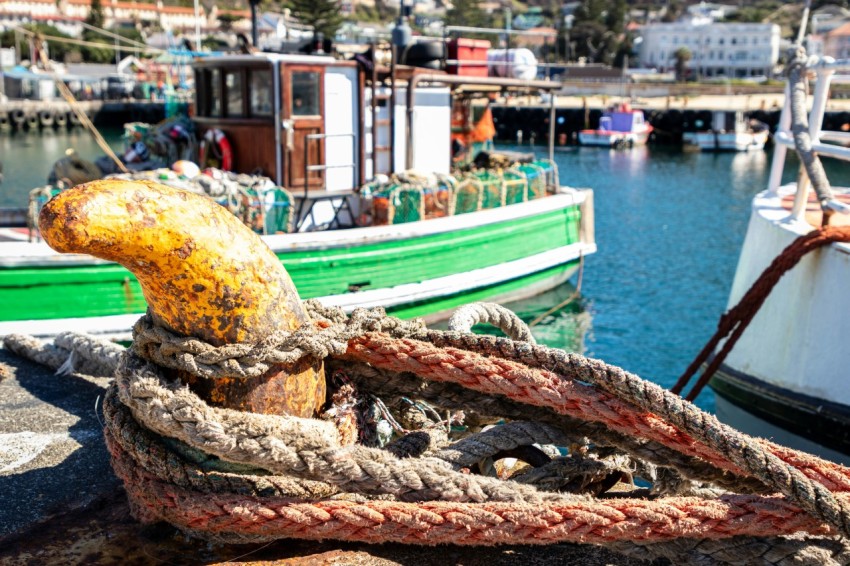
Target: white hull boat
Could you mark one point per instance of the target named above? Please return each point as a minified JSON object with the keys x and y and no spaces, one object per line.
{"x":731,"y":141}
{"x":786,"y":377}
{"x":730,"y":131}
{"x":619,"y":127}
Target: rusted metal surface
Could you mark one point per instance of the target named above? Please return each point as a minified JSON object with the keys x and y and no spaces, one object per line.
{"x":286,"y":389}
{"x":202,"y":272}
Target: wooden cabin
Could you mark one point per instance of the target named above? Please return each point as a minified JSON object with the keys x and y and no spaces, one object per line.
{"x":322,"y":127}
{"x":312,"y":125}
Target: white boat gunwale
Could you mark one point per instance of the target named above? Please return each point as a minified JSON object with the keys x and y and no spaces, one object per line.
{"x":25,"y":254}
{"x":789,"y":361}
{"x":116,"y":325}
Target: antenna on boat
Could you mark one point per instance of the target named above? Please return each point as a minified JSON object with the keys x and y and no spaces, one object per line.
{"x":401,"y":37}
{"x":804,"y":19}
{"x":255,"y":36}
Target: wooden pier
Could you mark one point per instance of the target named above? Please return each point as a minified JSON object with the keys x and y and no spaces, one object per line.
{"x":36,"y":115}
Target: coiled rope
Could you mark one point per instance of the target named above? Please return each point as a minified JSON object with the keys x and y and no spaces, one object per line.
{"x":240,"y":477}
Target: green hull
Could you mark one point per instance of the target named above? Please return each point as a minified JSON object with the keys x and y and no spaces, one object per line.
{"x":511,"y":289}
{"x":57,"y":291}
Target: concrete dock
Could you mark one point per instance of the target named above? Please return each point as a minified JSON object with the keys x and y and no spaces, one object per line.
{"x":62,"y":504}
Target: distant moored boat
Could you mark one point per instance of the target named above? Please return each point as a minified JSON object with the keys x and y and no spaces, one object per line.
{"x":620,"y":126}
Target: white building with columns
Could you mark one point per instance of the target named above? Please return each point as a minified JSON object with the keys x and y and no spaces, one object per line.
{"x":732,"y":50}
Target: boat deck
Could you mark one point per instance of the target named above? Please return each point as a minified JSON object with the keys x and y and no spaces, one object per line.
{"x":814,"y":216}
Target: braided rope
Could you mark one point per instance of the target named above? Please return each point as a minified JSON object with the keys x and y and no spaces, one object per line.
{"x":472,"y":509}
{"x":504,"y":319}
{"x":149,"y":451}
{"x":440,"y":522}
{"x":70,"y":353}
{"x":483,"y":374}
{"x":197,"y":357}
{"x":721,"y":444}
{"x":291,"y":445}
{"x":793,"y":550}
{"x":449,"y":395}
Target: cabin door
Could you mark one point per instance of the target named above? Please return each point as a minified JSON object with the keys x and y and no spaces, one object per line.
{"x":303,"y":126}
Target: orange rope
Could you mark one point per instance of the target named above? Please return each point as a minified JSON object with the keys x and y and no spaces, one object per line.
{"x":543,"y":388}
{"x":232,"y":516}
{"x":735,"y":321}
{"x":228,"y":515}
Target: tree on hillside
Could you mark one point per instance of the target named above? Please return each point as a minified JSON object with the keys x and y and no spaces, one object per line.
{"x":466,"y":13}
{"x":592,"y":30}
{"x":624,"y":51}
{"x":673,"y":11}
{"x":105,"y":53}
{"x":226,"y":21}
{"x":95,"y":17}
{"x":615,"y":17}
{"x":57,"y":49}
{"x":682,"y":56}
{"x":323,"y":15}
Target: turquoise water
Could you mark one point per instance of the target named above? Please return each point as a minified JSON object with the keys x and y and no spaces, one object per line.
{"x":669,"y":226}
{"x":28,"y":157}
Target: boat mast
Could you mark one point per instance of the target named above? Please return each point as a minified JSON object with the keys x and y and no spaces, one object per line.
{"x":401,"y":37}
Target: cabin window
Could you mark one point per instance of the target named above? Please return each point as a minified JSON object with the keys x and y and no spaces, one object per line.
{"x":305,"y":93}
{"x":233,"y":93}
{"x":261,"y":93}
{"x":215,"y":93}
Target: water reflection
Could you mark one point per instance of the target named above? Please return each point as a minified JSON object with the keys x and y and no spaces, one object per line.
{"x":28,"y":157}
{"x":631,"y":160}
{"x":564,"y":327}
{"x":747,"y":164}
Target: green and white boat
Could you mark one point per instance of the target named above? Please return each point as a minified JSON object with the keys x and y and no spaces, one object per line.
{"x":323,"y":128}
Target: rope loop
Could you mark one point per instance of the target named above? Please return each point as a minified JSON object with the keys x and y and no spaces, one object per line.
{"x":328,"y":337}
{"x":504,"y":319}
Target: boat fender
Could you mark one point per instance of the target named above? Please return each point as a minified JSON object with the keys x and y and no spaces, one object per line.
{"x":45,"y":118}
{"x":18,"y":117}
{"x":5,"y":122}
{"x":32,"y":121}
{"x":216,"y":145}
{"x":61,"y":119}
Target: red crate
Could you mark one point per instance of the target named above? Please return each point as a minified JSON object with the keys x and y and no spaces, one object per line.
{"x":472,"y":54}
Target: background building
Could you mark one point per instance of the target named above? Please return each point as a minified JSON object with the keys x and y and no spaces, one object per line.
{"x":837,"y":42}
{"x":732,"y":50}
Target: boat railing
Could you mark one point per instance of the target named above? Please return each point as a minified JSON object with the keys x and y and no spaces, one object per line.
{"x":308,"y":168}
{"x":827,"y":72}
{"x":337,"y":199}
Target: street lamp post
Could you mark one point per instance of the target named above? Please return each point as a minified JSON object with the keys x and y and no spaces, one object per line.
{"x":568,"y":25}
{"x":197,"y":26}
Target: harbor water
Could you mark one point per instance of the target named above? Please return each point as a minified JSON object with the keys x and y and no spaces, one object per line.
{"x":28,"y":156}
{"x":669,"y":227}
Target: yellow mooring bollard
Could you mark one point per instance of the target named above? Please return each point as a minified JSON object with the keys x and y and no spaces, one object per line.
{"x":203,"y":274}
